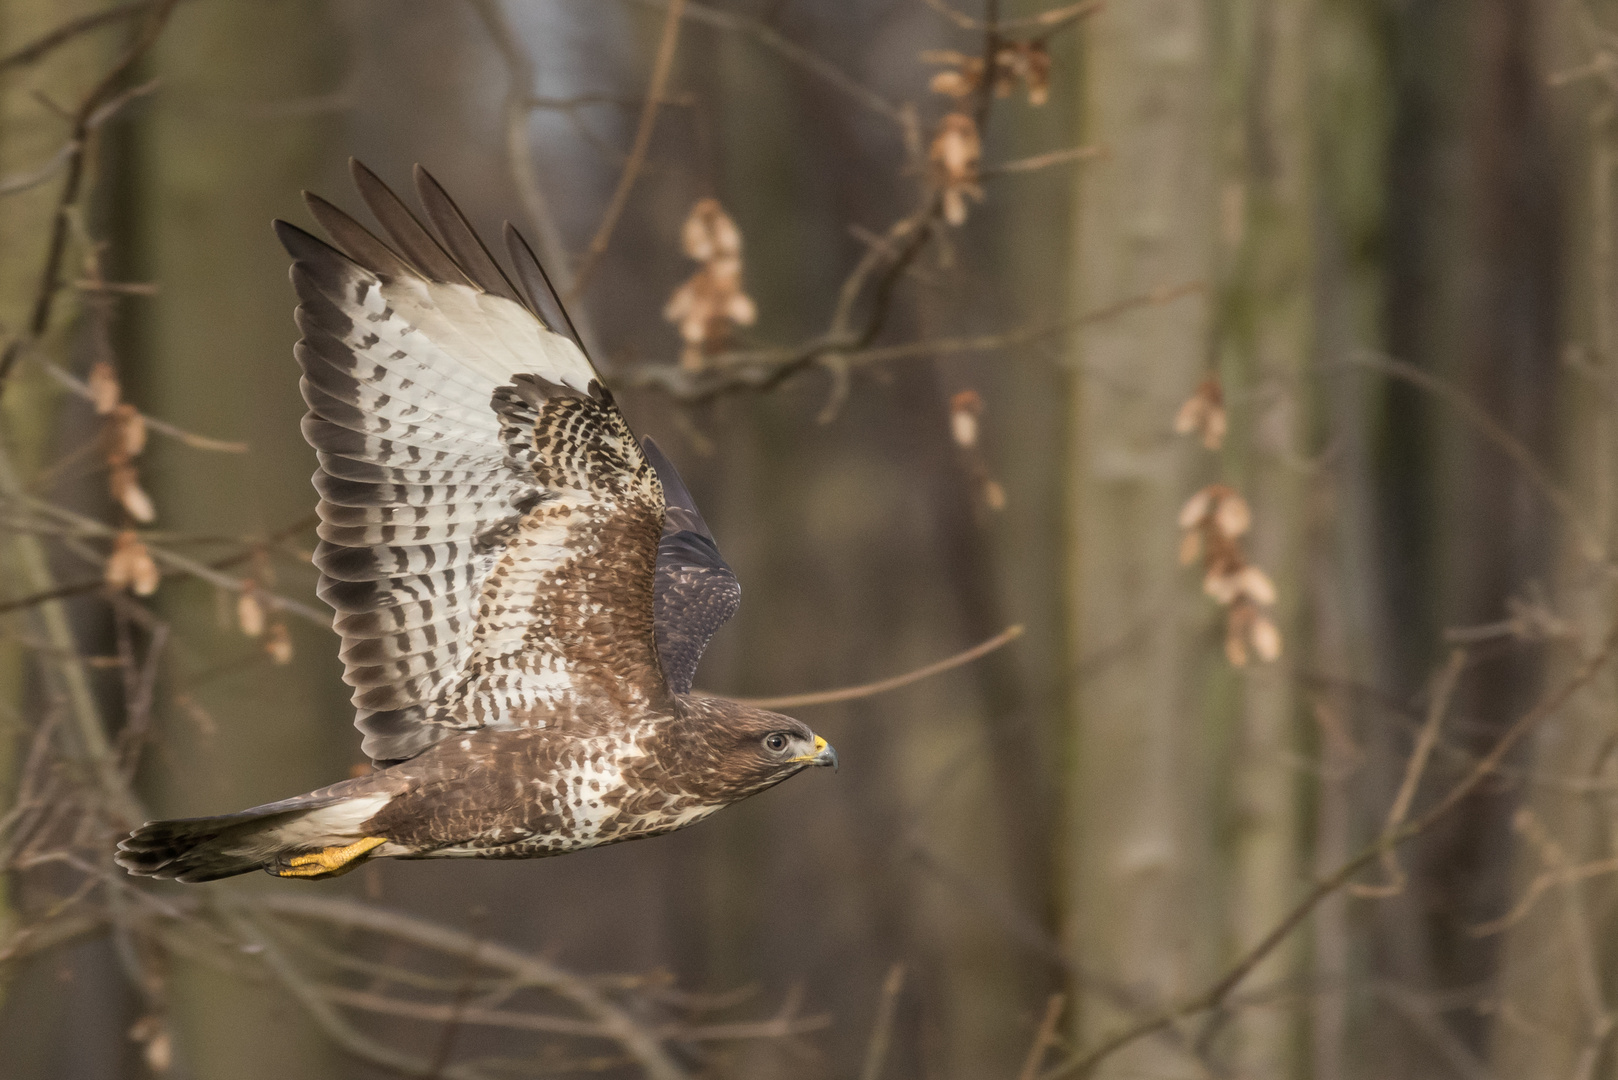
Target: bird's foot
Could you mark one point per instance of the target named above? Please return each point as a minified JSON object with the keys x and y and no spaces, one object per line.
{"x":329,"y":862}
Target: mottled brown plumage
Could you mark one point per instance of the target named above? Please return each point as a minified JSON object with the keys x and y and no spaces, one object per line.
{"x":522,"y":588}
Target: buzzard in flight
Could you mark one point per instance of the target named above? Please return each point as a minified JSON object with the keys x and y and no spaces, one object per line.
{"x":522,"y":588}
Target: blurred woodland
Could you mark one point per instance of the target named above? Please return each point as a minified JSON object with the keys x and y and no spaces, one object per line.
{"x":1257,"y":358}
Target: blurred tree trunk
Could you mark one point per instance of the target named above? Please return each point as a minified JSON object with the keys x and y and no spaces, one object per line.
{"x":1136,"y":855}
{"x":1352,"y":108}
{"x":240,"y":133}
{"x":1472,"y":296}
{"x":1266,"y":343}
{"x":1558,"y":969}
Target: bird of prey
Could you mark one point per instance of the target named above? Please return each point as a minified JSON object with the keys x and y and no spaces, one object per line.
{"x":522,"y":588}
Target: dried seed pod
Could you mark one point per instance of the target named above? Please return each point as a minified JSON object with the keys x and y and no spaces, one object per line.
{"x":709,"y":303}
{"x":1256,"y":585}
{"x":964,"y":410}
{"x":124,"y":484}
{"x":278,"y":643}
{"x":128,"y":428}
{"x":250,"y":612}
{"x":105,"y":391}
{"x":1195,"y":510}
{"x":709,"y":233}
{"x":1232,"y":517}
{"x":130,"y":566}
{"x":1266,"y":639}
{"x":955,"y":154}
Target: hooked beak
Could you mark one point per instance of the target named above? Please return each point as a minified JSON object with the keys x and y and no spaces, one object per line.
{"x":823,"y":755}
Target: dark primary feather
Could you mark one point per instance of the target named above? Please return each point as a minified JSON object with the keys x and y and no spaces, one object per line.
{"x":696,"y":592}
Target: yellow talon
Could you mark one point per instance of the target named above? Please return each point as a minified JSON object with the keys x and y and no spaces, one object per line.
{"x":330,"y":861}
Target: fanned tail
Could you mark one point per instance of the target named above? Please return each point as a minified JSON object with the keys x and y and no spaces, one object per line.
{"x":268,"y":837}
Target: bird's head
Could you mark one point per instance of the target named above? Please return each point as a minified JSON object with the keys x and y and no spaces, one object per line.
{"x":746,"y":749}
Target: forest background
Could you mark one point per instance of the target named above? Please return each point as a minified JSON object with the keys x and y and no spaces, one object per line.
{"x":1254,"y":358}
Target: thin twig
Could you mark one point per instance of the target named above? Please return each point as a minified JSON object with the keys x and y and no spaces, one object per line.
{"x":86,"y":118}
{"x":88,"y":526}
{"x":794,"y":53}
{"x":31,"y":178}
{"x":1044,"y":1038}
{"x":661,"y":66}
{"x":94,"y":748}
{"x":46,"y":43}
{"x":641,"y":1044}
{"x":1044,"y":161}
{"x":327,"y":1017}
{"x":852,"y":693}
{"x":876,"y":1050}
{"x":81,"y":389}
{"x":1045,"y":20}
{"x":1415,"y":768}
{"x":1590,"y":544}
{"x":561,"y":1025}
{"x":754,"y":370}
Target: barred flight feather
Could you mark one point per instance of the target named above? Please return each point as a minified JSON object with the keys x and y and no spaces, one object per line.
{"x":489,"y":525}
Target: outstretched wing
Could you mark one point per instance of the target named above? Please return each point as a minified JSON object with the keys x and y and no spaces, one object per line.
{"x":695,"y":590}
{"x":489,"y":524}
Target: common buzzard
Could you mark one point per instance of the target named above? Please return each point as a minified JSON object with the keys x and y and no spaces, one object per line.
{"x":522,"y":588}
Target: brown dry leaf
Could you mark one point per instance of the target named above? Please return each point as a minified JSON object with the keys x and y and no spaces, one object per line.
{"x":953,"y":84}
{"x":708,"y":304}
{"x":962,"y":75}
{"x":1037,"y":73}
{"x":955,"y":154}
{"x":709,"y":233}
{"x":1204,"y":411}
{"x":128,"y":431}
{"x":1196,"y":508}
{"x":130,"y":566}
{"x":124,"y":484}
{"x":249,"y":612}
{"x":1232,"y":517}
{"x":964,"y":410}
{"x":1222,"y":584}
{"x":1256,"y":585}
{"x":104,"y":388}
{"x":278,"y":643}
{"x":1266,"y":639}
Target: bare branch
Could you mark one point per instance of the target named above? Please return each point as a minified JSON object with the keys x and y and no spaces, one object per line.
{"x":643,"y":1045}
{"x":85,"y":120}
{"x":1049,"y":21}
{"x":853,"y":693}
{"x":1084,"y":1064}
{"x":876,"y":1050}
{"x":1045,"y":161}
{"x":46,"y":43}
{"x":1443,"y":692}
{"x":1589,"y":542}
{"x":1044,"y":1038}
{"x":794,"y":53}
{"x":661,"y":66}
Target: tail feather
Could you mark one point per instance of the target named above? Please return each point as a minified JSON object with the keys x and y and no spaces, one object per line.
{"x":263,"y":838}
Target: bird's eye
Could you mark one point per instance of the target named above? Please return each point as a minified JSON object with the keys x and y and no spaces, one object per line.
{"x":775,"y":742}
